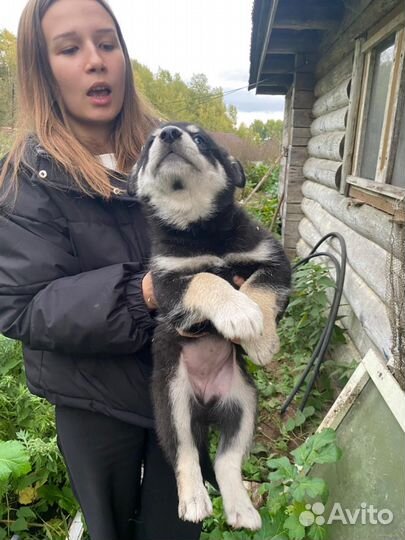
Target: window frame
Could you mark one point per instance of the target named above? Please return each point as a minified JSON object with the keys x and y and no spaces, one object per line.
{"x":353,"y":184}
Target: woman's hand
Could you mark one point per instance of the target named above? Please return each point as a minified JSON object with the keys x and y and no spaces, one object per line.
{"x":148,"y":292}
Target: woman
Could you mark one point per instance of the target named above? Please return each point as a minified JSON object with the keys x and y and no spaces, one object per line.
{"x":73,"y":283}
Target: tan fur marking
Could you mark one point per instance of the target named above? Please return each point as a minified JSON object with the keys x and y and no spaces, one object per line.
{"x":261,"y":350}
{"x":232,"y":313}
{"x":205,"y":290}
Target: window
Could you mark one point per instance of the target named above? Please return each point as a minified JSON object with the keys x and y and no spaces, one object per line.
{"x":379,"y":139}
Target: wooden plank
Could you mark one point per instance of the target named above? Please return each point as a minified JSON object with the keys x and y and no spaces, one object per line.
{"x":377,"y":201}
{"x":271,"y":90}
{"x":295,"y":174}
{"x":304,"y":81}
{"x":303,"y":99}
{"x":306,"y":63}
{"x":346,"y":398}
{"x":266,"y":41}
{"x":365,"y":89}
{"x":391,"y":192}
{"x":300,"y":141}
{"x":355,"y":91}
{"x":76,"y":529}
{"x":386,"y":155}
{"x":301,"y":118}
{"x":298,"y":155}
{"x":292,"y":14}
{"x":279,"y":63}
{"x":292,"y":41}
{"x":343,"y":40}
{"x":388,"y":387}
{"x":387,"y":26}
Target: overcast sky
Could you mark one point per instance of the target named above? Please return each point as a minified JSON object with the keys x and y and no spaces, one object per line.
{"x":186,"y":37}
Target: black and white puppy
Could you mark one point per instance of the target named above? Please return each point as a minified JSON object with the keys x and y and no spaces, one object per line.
{"x":201,"y":240}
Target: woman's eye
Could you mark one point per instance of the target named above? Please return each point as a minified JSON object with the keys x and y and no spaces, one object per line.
{"x":69,"y":50}
{"x":198,"y":140}
{"x":107,"y":46}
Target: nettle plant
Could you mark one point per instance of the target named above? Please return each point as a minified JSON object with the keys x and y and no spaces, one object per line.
{"x":285,"y":495}
{"x":36,"y":500}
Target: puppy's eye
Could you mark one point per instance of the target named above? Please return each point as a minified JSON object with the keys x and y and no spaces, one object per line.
{"x":198,"y":139}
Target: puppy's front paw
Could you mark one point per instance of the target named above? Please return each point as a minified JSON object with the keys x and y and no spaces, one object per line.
{"x":195,"y":506}
{"x":262,"y":349}
{"x":239,"y":318}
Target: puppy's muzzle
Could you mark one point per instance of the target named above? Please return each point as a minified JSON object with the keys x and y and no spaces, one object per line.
{"x":170,"y":134}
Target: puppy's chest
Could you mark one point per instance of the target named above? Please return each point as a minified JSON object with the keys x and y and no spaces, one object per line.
{"x":225,"y":265}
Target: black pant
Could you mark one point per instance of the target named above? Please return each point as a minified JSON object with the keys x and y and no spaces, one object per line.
{"x":104,"y":457}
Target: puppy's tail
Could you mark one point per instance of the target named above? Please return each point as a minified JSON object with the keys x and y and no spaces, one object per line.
{"x":207,"y":467}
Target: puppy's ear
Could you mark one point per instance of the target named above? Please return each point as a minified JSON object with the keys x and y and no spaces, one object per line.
{"x":238,"y":173}
{"x":132,"y":180}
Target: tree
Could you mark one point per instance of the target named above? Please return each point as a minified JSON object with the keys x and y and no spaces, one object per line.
{"x":8,"y":71}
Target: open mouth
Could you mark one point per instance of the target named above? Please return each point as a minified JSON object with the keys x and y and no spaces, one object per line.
{"x":99,"y":91}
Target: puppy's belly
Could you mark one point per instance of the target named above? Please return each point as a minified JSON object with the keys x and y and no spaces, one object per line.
{"x":210,"y":362}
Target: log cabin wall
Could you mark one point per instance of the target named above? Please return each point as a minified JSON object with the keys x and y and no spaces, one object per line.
{"x":365,"y":229}
{"x":297,"y":118}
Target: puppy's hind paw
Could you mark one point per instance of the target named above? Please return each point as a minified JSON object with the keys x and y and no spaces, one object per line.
{"x":244,"y":516}
{"x":262,"y":350}
{"x":195,"y":508}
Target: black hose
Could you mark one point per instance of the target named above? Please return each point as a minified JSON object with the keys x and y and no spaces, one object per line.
{"x":323,"y":343}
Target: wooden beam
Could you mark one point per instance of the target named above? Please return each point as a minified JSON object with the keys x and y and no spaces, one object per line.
{"x":277,"y":79}
{"x":311,"y":15}
{"x":279,"y":63}
{"x":272,"y":90}
{"x":292,"y":41}
{"x":263,"y":54}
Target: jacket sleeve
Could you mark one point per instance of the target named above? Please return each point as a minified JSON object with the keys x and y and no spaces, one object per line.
{"x":48,"y":304}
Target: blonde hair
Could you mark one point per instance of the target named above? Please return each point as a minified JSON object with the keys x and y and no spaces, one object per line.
{"x":41,"y":111}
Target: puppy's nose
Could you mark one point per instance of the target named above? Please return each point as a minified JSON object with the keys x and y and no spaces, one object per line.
{"x":169,"y":134}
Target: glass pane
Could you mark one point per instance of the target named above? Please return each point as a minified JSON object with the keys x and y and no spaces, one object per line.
{"x":384,"y":57}
{"x":398,"y":178}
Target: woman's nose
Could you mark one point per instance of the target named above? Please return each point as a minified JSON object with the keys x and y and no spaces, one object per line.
{"x":95,"y":61}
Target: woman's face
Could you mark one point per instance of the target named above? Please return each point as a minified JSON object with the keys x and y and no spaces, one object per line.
{"x":88,"y":64}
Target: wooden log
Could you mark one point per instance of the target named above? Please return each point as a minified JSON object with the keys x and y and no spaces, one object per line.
{"x":349,"y":320}
{"x":334,"y":121}
{"x":356,"y":23}
{"x":324,"y":171}
{"x":337,"y":98}
{"x":367,"y":306}
{"x":333,"y":78}
{"x":367,"y":221}
{"x":368,"y":259}
{"x":327,"y":146}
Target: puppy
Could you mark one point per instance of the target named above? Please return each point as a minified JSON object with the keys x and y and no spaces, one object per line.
{"x":201,"y":240}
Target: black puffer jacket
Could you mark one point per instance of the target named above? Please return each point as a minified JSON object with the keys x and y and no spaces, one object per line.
{"x":71,"y":268}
